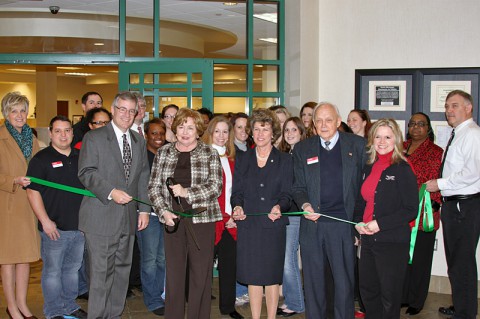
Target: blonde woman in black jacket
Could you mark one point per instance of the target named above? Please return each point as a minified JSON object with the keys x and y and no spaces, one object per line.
{"x":388,"y":203}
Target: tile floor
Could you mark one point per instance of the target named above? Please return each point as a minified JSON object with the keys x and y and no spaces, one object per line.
{"x":135,"y":308}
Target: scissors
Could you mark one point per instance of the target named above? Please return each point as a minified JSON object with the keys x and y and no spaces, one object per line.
{"x":194,"y":211}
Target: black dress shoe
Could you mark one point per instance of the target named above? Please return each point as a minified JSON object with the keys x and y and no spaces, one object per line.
{"x":447,"y":311}
{"x":412,"y":311}
{"x":279,"y":311}
{"x":130,"y":294}
{"x":159,"y":311}
{"x":83,"y":296}
{"x":287,"y":314}
{"x":234,"y":314}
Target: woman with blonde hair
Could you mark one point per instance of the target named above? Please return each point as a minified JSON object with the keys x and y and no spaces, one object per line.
{"x":19,"y":239}
{"x":220,"y":136}
{"x":388,"y":202}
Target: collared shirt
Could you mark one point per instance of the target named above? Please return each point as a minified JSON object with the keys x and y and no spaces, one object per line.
{"x":119,"y":135}
{"x":136,"y":126}
{"x":333,"y":141}
{"x":462,"y":165}
{"x":228,"y":176}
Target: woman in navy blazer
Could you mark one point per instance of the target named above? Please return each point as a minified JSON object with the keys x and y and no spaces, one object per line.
{"x":388,"y":203}
{"x":261,"y":184}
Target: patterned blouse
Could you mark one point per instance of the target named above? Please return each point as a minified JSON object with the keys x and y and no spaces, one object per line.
{"x":426,"y":161}
{"x":206,"y":184}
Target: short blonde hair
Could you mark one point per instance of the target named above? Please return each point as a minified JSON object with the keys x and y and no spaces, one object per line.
{"x":207,"y":137}
{"x":183,"y":114}
{"x":10,"y":100}
{"x":397,"y":156}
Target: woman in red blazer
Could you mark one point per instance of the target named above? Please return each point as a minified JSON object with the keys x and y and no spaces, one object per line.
{"x":220,"y":136}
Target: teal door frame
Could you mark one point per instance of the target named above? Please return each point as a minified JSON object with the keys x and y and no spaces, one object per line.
{"x":189,"y":89}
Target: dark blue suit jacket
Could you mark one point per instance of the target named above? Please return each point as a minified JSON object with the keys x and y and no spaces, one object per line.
{"x":306,"y":186}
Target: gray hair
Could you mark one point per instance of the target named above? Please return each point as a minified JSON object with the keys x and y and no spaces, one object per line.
{"x":326,"y":103}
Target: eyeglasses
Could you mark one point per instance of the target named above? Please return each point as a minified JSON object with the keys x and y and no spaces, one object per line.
{"x":123,"y":110}
{"x":100,"y":122}
{"x":419,"y":124}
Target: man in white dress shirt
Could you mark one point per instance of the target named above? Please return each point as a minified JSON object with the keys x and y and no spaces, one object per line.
{"x":459,"y":185}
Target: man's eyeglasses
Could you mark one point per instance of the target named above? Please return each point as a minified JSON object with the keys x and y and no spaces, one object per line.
{"x":124,"y":110}
{"x":100,"y":122}
{"x":419,"y":124}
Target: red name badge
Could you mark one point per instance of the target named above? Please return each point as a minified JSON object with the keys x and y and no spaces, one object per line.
{"x":57,"y":164}
{"x":312,"y":160}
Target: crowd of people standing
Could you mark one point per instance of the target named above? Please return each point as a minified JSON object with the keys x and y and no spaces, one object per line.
{"x":256,"y":192}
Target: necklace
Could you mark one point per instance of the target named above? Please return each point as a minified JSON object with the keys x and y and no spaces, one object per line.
{"x":263,"y":158}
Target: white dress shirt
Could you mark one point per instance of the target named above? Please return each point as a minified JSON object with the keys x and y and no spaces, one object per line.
{"x":333,"y":141}
{"x":461,"y":171}
{"x":228,"y":176}
{"x":119,"y":135}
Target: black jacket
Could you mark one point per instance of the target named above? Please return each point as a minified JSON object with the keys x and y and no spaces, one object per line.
{"x":396,"y":203}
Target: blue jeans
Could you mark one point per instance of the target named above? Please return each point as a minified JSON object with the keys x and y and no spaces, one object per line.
{"x":152,"y":263}
{"x":292,"y":279}
{"x":62,"y":259}
{"x":83,"y":275}
{"x":240,"y":290}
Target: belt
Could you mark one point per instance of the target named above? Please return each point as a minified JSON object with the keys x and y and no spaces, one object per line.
{"x":460,"y":197}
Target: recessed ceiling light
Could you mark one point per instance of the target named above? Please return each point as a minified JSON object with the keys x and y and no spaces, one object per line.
{"x":229,"y":3}
{"x":68,"y":68}
{"x":21,"y":70}
{"x":79,"y":74}
{"x":270,"y":17}
{"x":99,"y":43}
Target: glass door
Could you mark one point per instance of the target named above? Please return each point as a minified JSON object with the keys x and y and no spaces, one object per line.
{"x":183,"y":82}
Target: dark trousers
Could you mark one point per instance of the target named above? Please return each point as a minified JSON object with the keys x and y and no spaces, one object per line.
{"x":417,"y":278}
{"x":328,"y":243}
{"x":382,"y":269}
{"x":226,"y":250}
{"x":180,"y":249}
{"x":461,"y":230}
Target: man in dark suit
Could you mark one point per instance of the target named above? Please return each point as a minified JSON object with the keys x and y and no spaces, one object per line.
{"x":327,"y":170}
{"x":113,"y":165}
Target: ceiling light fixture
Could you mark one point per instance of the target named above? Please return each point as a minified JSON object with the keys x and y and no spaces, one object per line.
{"x":79,"y":74}
{"x":270,"y":17}
{"x":99,"y":43}
{"x":270,"y":40}
{"x":230,"y":4}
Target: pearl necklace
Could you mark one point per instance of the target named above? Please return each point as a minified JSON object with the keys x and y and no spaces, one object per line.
{"x":263,"y":158}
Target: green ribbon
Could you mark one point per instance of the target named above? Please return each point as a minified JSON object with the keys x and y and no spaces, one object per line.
{"x":425,"y":209}
{"x":71,"y":189}
{"x":305,"y":213}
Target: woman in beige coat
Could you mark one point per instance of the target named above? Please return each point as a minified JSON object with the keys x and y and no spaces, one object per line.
{"x":19,"y":241}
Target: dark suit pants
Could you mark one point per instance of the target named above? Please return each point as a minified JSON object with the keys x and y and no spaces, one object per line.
{"x":461,"y":229}
{"x":332,"y":243}
{"x":180,"y":249}
{"x":382,"y":270}
{"x":110,"y":261}
{"x":226,"y":250}
{"x":417,"y":278}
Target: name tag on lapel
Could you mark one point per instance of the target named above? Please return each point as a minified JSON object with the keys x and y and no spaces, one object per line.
{"x":312,"y":160}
